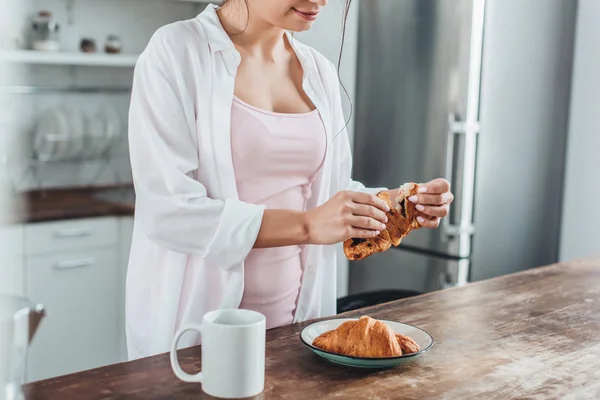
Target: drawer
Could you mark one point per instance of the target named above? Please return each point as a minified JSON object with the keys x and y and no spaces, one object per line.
{"x":11,"y":260}
{"x":56,"y":237}
{"x":11,"y":240}
{"x":11,"y":275}
{"x":81,"y":328}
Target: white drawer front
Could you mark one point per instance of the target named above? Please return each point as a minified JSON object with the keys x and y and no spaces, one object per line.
{"x":11,"y":240}
{"x":11,"y":275}
{"x":11,"y":260}
{"x":80,"y":330}
{"x":68,"y":235}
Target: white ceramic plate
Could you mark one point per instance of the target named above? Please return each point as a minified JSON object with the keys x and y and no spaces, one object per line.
{"x":78,"y":124}
{"x":96,"y":137}
{"x":311,"y":332}
{"x":52,"y":133}
{"x":112,"y":125}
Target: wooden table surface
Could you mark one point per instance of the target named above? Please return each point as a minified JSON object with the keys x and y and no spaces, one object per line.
{"x":533,"y":335}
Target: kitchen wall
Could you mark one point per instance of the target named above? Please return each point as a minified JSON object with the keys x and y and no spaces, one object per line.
{"x":134,"y":21}
{"x":580,"y":236}
{"x":525,"y":92}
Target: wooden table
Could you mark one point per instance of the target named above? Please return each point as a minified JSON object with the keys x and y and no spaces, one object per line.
{"x":533,"y":335}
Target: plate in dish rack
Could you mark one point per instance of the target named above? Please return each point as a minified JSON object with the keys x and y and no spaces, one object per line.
{"x":311,"y":332}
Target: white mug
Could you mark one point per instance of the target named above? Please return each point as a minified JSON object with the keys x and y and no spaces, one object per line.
{"x":233,"y":353}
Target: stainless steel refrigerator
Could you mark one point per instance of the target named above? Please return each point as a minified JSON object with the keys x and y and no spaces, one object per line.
{"x":475,"y":91}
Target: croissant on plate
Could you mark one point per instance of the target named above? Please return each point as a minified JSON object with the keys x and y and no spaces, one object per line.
{"x":402,"y":219}
{"x":367,"y":338}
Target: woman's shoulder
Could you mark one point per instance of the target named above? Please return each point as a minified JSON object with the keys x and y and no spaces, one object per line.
{"x":175,"y":41}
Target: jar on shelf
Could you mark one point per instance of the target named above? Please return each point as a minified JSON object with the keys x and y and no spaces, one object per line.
{"x":113,"y":44}
{"x":45,"y":32}
{"x":87,"y":45}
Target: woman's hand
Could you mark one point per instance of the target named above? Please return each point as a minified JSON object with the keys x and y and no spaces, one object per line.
{"x":347,"y":215}
{"x":433,"y":202}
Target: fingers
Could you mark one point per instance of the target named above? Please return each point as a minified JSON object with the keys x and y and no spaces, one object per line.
{"x":432,"y":199}
{"x":364,"y":214}
{"x":432,"y":222}
{"x":369,"y":199}
{"x":366,"y":223}
{"x":369,"y":211}
{"x":434,"y":211}
{"x":362,"y":233}
{"x":439,"y":185}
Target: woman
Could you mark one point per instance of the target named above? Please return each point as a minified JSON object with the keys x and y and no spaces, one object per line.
{"x":241,"y":166}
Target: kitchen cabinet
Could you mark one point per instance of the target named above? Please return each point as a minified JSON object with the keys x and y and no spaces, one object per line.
{"x":11,"y":260}
{"x":125,"y":236}
{"x":70,"y":235}
{"x":79,"y":292}
{"x":76,"y":269}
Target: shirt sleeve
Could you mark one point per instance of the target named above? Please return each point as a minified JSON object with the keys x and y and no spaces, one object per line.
{"x":174,"y":208}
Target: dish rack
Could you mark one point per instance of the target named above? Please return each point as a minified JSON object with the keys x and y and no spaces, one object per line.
{"x":65,"y":134}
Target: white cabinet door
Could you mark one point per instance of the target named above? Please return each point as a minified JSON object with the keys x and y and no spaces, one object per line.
{"x":125,"y":234}
{"x":11,"y":260}
{"x":80,"y":293}
{"x":11,"y":275}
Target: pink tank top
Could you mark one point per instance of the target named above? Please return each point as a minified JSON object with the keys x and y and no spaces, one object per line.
{"x":276,"y":158}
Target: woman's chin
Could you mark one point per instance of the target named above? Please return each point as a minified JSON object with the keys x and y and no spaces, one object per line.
{"x":302,"y":27}
{"x":296,"y":24}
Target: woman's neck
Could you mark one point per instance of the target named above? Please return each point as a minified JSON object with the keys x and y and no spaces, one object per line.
{"x":251,"y":34}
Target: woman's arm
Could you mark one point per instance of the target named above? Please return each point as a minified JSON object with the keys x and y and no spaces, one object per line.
{"x":283,"y":228}
{"x":346,"y":215}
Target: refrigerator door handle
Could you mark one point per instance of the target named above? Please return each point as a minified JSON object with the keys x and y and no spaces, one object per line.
{"x":456,"y":127}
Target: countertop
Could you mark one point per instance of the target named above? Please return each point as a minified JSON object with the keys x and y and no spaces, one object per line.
{"x":534,"y":334}
{"x":73,"y":203}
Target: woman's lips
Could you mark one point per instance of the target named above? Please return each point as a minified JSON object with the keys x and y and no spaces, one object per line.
{"x":308,"y":16}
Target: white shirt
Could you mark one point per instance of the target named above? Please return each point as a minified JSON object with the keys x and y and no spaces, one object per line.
{"x":189,"y":221}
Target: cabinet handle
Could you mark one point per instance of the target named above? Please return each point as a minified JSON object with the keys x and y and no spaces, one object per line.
{"x":80,"y":263}
{"x":72,"y":233}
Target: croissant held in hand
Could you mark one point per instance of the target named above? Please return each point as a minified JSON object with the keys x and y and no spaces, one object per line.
{"x":367,"y":338}
{"x":402,"y":219}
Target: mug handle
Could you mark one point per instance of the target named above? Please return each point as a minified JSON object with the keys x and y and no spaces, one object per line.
{"x":180,"y":373}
